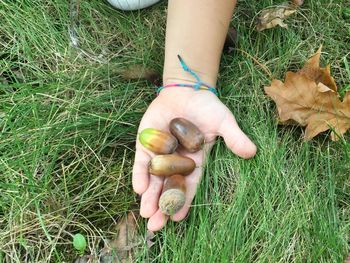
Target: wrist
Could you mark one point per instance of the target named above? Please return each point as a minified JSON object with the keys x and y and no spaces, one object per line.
{"x":186,"y":86}
{"x":177,"y":79}
{"x":199,"y":80}
{"x":184,"y":77}
{"x":179,"y":93}
{"x":190,"y":68}
{"x":184,"y":83}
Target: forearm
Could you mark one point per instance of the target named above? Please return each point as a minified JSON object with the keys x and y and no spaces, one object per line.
{"x":196,"y":30}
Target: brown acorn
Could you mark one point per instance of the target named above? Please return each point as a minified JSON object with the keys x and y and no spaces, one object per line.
{"x":157,"y":141}
{"x":174,"y":195}
{"x":298,"y":2}
{"x":188,"y":134}
{"x":170,"y":164}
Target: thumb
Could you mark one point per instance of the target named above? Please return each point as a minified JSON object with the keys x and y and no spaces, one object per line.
{"x":235,"y":139}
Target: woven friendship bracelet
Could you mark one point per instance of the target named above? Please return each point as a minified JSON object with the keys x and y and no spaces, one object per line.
{"x":199,"y":85}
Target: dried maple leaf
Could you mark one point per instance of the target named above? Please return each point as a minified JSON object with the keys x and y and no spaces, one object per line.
{"x":313,"y":71}
{"x":272,"y":17}
{"x":311,"y":103}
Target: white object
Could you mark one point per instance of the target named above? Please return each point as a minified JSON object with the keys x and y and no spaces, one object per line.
{"x":129,"y":5}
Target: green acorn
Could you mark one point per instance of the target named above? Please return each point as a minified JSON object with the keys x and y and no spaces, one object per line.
{"x":157,"y":141}
{"x":79,"y":242}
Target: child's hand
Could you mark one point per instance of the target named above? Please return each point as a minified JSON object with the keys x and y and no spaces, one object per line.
{"x":211,"y":116}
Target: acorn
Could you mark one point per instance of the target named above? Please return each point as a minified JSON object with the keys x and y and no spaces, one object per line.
{"x":157,"y":141}
{"x":174,"y":195}
{"x":298,"y":2}
{"x":170,"y":164}
{"x":188,"y":134}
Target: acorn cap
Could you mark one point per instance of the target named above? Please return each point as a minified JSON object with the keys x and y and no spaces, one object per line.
{"x":171,"y":201}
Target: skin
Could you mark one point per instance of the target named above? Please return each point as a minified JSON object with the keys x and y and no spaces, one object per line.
{"x":197,"y":33}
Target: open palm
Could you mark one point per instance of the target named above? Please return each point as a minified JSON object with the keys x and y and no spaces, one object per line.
{"x":211,"y":116}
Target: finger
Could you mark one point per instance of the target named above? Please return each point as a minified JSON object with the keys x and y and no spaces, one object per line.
{"x":140,"y":177}
{"x":192,"y":180}
{"x":157,"y":221}
{"x":191,"y":186}
{"x":149,"y":199}
{"x":235,"y":138}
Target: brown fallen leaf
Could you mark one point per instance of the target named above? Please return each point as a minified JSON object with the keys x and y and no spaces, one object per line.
{"x":272,"y":17}
{"x":149,"y":236}
{"x":137,"y":72}
{"x":313,"y":104}
{"x":120,"y":249}
{"x":231,"y":40}
{"x":347,"y":259}
{"x":85,"y":259}
{"x":313,"y":71}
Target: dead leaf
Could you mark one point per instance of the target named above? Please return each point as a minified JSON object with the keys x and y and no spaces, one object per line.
{"x":231,"y":40}
{"x":347,"y":260}
{"x":85,"y":259}
{"x":323,"y":88}
{"x":272,"y":17}
{"x":124,"y":246}
{"x":312,"y":105}
{"x":149,"y":236}
{"x":137,"y":72}
{"x":121,"y":248}
{"x":313,"y":71}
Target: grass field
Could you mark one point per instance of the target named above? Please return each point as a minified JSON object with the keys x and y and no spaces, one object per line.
{"x":68,"y":125}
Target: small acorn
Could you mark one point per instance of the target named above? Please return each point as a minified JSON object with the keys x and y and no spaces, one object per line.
{"x":157,"y":141}
{"x":174,"y":195}
{"x":188,"y":134}
{"x":298,"y":2}
{"x":170,"y":164}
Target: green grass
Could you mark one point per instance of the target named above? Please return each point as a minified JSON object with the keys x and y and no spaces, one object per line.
{"x":68,"y":125}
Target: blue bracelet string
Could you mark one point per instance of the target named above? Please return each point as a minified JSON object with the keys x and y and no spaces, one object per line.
{"x":196,"y":86}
